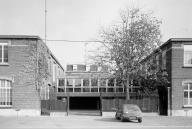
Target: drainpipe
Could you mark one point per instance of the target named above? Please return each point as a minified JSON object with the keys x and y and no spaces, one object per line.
{"x":169,"y":101}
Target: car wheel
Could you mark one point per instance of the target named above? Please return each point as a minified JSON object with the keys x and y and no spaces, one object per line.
{"x":117,"y":117}
{"x":139,"y":120}
{"x":122,"y":119}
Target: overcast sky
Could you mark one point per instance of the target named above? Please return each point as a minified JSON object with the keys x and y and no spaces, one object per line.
{"x":82,"y":19}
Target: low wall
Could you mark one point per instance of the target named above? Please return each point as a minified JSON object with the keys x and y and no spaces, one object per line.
{"x":187,"y":112}
{"x":21,"y":112}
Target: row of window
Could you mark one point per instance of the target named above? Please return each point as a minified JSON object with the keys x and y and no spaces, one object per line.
{"x":109,"y":89}
{"x":87,"y":82}
{"x":6,"y":92}
{"x":86,"y":68}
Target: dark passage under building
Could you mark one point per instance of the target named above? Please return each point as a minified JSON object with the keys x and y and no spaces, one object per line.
{"x":84,"y":103}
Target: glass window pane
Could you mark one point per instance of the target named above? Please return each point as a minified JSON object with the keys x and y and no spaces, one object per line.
{"x":185,"y":86}
{"x":0,"y":53}
{"x":85,"y":82}
{"x":190,"y":86}
{"x":190,"y":94}
{"x":185,"y":101}
{"x":61,"y":82}
{"x":164,"y":60}
{"x":190,"y":101}
{"x":5,"y":53}
{"x":185,"y":94}
{"x":69,"y":82}
{"x":77,"y":82}
{"x":94,"y":82}
{"x":111,"y":82}
{"x":103,"y":82}
{"x":2,"y":83}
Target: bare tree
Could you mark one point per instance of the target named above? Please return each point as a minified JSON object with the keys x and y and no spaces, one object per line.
{"x":128,"y":42}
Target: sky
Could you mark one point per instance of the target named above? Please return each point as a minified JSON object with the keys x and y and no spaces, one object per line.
{"x":83,"y":19}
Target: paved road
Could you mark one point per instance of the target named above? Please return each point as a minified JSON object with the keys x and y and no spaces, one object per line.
{"x":95,"y":122}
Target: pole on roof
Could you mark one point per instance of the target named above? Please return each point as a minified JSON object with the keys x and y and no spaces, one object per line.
{"x":45,"y":21}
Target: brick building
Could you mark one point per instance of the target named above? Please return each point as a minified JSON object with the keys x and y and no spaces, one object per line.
{"x":175,"y":56}
{"x":28,"y":74}
{"x":92,"y":87}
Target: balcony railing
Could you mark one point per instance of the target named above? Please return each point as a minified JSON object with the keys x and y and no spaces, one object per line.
{"x":88,"y":89}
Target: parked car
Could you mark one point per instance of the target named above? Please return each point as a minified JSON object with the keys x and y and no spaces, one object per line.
{"x":129,"y":112}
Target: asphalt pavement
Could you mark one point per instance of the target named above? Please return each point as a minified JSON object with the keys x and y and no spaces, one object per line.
{"x":94,"y":122}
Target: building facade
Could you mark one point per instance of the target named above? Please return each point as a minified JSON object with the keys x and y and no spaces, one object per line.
{"x":93,"y":87}
{"x":175,"y":56}
{"x":28,"y":74}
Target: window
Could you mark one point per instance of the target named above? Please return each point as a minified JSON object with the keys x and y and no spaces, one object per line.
{"x":157,"y":60}
{"x":187,"y":55}
{"x":85,"y":82}
{"x":44,"y":92}
{"x":5,"y":93}
{"x":61,"y":82}
{"x":69,"y":82}
{"x":94,"y":82}
{"x":103,"y":82}
{"x":187,"y":94}
{"x":111,"y":82}
{"x":3,"y":52}
{"x":77,"y":82}
{"x":74,"y":67}
{"x":164,"y":60}
{"x":87,"y":67}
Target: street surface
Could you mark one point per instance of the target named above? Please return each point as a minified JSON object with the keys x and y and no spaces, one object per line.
{"x":94,"y":122}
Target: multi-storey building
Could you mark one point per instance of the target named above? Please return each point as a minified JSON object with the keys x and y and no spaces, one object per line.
{"x":28,"y":74}
{"x":93,"y":87}
{"x":85,"y":84}
{"x":175,"y":56}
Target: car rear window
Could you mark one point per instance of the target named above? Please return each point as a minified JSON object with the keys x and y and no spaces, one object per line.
{"x":130,"y":108}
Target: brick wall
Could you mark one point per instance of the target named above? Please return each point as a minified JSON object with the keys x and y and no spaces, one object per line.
{"x":24,"y":93}
{"x":179,"y":74}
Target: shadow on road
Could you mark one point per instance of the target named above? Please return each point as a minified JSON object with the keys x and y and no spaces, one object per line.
{"x":113,"y":120}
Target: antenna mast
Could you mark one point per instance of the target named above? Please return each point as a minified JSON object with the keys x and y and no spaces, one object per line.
{"x":45,"y":21}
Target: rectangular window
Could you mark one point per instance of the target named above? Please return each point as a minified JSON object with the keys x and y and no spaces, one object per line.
{"x":77,"y":82}
{"x":85,"y":82}
{"x":111,"y":82}
{"x":103,"y":82}
{"x":164,"y":60}
{"x":3,"y":52}
{"x":187,"y":94}
{"x":157,"y":60}
{"x":5,"y":93}
{"x":94,"y":82}
{"x":61,"y":82}
{"x":69,"y":82}
{"x":74,"y":67}
{"x":187,"y":55}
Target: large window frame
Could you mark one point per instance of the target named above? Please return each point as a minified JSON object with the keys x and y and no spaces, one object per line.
{"x":164,"y":59}
{"x":5,"y":93}
{"x":3,"y":53}
{"x":187,"y":94}
{"x":187,"y":59}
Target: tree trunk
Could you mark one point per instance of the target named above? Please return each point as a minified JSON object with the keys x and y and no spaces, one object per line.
{"x":127,"y":89}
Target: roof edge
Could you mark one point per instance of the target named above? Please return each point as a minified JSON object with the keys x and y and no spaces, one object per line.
{"x":19,"y":37}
